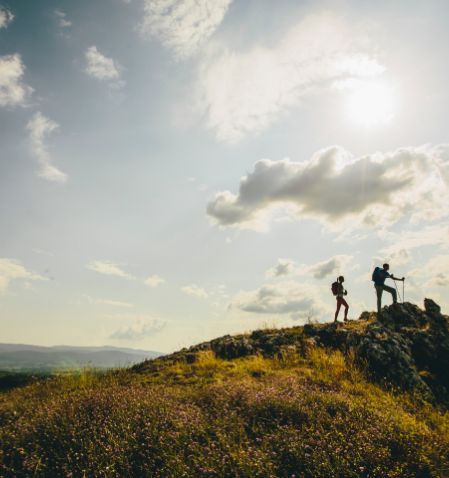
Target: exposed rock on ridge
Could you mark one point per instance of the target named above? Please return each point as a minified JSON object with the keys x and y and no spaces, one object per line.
{"x":405,"y":347}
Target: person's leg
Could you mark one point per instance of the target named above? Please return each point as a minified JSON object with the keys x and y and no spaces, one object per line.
{"x":379,"y":290}
{"x":343,"y":301}
{"x":392,"y":292}
{"x":338,"y":308}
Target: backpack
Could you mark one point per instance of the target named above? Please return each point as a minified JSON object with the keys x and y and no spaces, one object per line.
{"x":376,"y":277}
{"x":334,"y":288}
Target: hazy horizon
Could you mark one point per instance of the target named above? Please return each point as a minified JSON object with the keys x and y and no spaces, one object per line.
{"x":173,"y":171}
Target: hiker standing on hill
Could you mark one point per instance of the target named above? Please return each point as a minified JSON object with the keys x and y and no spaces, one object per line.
{"x":339,"y":291}
{"x":379,"y":276}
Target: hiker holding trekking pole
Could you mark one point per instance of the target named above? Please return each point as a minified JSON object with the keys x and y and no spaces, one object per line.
{"x":379,"y":276}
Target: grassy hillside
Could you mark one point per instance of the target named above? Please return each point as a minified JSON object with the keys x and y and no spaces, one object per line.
{"x":298,"y":412}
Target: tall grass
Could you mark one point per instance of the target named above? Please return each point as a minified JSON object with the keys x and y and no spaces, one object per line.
{"x":289,"y":416}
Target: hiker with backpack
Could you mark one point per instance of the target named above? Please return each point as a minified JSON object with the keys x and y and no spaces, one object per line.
{"x":379,"y":276}
{"x":339,"y":291}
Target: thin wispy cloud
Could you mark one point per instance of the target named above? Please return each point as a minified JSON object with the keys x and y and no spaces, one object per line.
{"x":182,"y":26}
{"x":334,"y":186}
{"x":140,"y":329}
{"x":62,"y":19}
{"x":430,"y":276}
{"x":154,"y":281}
{"x":6,"y":17}
{"x":114,"y":303}
{"x":12,"y":270}
{"x":434,"y":235}
{"x":40,"y":128}
{"x":195,"y":291}
{"x":108,"y":302}
{"x":109,"y":268}
{"x":103,"y":68}
{"x":437,"y":271}
{"x":13,"y":91}
{"x":244,"y":92}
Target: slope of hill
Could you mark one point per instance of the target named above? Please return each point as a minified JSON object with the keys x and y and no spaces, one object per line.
{"x":406,"y":347}
{"x":362,"y":399}
{"x":34,"y":358}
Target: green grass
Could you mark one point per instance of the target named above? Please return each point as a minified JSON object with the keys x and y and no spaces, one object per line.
{"x":289,"y":416}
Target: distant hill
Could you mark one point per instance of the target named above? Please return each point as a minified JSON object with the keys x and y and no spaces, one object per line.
{"x":32,"y":358}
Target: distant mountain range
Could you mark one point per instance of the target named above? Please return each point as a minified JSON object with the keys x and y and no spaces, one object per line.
{"x":22,"y":357}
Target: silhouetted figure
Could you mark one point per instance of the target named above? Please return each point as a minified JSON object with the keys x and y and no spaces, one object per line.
{"x":379,"y":276}
{"x":339,"y":291}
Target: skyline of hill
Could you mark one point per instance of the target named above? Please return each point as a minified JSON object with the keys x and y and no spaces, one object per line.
{"x":28,"y":357}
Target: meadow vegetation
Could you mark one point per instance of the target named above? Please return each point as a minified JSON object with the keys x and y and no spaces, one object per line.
{"x":292,"y":416}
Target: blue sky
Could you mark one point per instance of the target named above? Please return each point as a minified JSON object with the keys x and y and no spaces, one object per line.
{"x":171,"y":171}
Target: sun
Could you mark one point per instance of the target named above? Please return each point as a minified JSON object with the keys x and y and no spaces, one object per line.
{"x":371,"y":104}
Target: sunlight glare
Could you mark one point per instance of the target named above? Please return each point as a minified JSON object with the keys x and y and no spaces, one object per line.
{"x":371,"y":104}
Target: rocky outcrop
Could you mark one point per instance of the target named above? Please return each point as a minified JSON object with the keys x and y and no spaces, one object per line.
{"x":404,"y":347}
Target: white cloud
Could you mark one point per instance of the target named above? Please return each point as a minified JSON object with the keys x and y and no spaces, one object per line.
{"x":6,"y":17}
{"x":195,"y":291}
{"x":434,"y":235}
{"x":154,"y":281}
{"x":397,"y":257}
{"x":335,"y":265}
{"x":339,"y":189}
{"x":13,"y":92}
{"x":298,"y":301}
{"x":114,"y":303}
{"x":40,"y":127}
{"x":284,"y":267}
{"x":142,"y":328}
{"x":183,"y":25}
{"x":435,"y":273}
{"x":108,"y":268}
{"x":320,"y":270}
{"x":62,"y":19}
{"x":244,"y":92}
{"x":11,"y":269}
{"x":102,"y":68}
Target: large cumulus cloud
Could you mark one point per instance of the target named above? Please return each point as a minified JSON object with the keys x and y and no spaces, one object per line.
{"x":334,"y":186}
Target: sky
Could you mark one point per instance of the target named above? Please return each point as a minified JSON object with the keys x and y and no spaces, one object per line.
{"x":175,"y":170}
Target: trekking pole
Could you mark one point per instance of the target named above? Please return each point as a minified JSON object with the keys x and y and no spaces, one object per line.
{"x":403,"y":291}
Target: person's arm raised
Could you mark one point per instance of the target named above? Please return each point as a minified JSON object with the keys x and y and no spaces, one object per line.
{"x":397,"y":278}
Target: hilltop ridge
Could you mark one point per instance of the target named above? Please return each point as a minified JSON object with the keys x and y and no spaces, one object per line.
{"x":405,"y":346}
